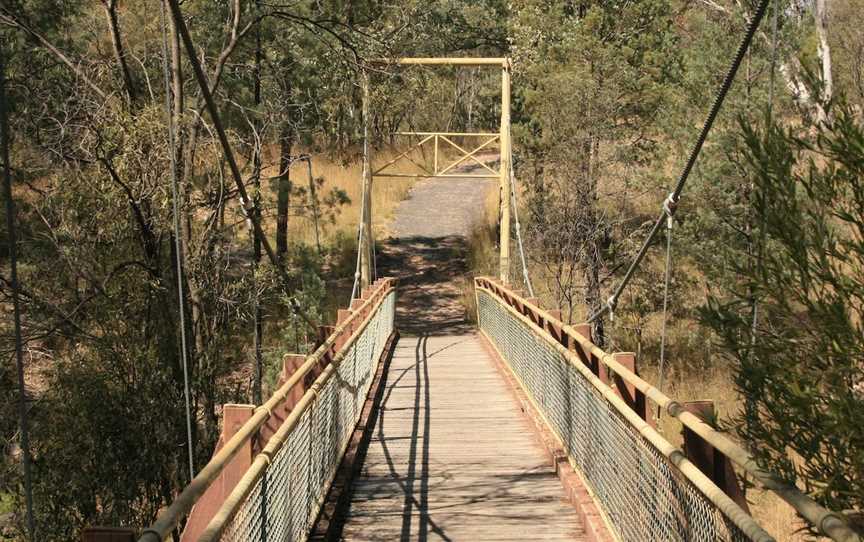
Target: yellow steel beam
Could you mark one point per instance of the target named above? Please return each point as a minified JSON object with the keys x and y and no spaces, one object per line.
{"x":448,"y":176}
{"x":470,"y":155}
{"x":393,"y":161}
{"x":449,"y":134}
{"x":444,"y":61}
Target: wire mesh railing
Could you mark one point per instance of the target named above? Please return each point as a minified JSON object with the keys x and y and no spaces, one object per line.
{"x":645,"y":487}
{"x":281,"y":494}
{"x":294,"y":470}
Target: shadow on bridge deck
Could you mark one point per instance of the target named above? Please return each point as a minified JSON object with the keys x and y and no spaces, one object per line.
{"x":429,"y":298}
{"x":452,"y":457}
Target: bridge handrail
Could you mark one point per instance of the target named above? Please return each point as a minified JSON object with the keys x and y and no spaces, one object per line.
{"x":826,"y":521}
{"x":168,"y":520}
{"x":256,"y":470}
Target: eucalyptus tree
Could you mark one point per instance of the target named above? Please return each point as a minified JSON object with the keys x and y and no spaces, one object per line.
{"x":91,"y":163}
{"x":592,"y":80}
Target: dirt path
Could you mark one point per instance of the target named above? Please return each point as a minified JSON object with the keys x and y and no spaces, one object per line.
{"x":427,"y":251}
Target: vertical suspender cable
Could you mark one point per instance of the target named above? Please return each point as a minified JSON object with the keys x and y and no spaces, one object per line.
{"x":314,"y":198}
{"x":354,"y":288}
{"x":749,"y":407}
{"x":222,"y":136}
{"x":770,"y":114}
{"x":518,"y":226}
{"x":257,"y":326}
{"x":363,"y":196}
{"x":177,"y":244}
{"x":16,"y":306}
{"x":371,"y":267}
{"x":667,"y":279}
{"x":773,"y":73}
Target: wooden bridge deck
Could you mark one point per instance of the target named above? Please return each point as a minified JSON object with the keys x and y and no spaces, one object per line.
{"x":452,"y":457}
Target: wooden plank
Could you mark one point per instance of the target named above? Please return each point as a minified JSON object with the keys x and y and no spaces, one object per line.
{"x":452,"y":456}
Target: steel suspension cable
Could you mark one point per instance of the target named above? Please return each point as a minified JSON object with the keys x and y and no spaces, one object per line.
{"x":178,"y":245}
{"x":672,"y":201}
{"x":769,"y":116}
{"x":12,"y":240}
{"x":518,"y":226}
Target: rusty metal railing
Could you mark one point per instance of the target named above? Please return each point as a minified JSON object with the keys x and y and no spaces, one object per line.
{"x":647,"y":487}
{"x":358,"y":338}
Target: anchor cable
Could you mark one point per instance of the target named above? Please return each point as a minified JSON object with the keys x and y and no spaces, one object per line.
{"x":216,"y":119}
{"x":178,"y":245}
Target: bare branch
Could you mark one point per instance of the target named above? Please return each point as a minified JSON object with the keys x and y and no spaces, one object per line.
{"x":10,"y":20}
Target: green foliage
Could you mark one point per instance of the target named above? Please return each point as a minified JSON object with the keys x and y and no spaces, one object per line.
{"x":592,"y":81}
{"x":293,"y":334}
{"x":605,"y":97}
{"x":799,"y":368}
{"x":94,"y":465}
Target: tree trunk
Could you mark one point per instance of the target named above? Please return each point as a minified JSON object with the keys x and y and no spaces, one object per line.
{"x":824,"y":52}
{"x":283,"y":198}
{"x":256,"y":240}
{"x":119,"y":52}
{"x":195,"y":326}
{"x":591,"y":264}
{"x":594,"y":237}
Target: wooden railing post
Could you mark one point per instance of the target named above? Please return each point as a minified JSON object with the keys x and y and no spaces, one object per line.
{"x":233,"y":418}
{"x":634,"y":398}
{"x":108,"y":534}
{"x":435,"y":163}
{"x":586,"y":355}
{"x":556,"y":327}
{"x":341,"y":316}
{"x":708,"y":459}
{"x":529,"y":302}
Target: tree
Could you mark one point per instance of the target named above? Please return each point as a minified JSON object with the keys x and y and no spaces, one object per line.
{"x":595,"y":77}
{"x":99,"y":282}
{"x":800,"y":366}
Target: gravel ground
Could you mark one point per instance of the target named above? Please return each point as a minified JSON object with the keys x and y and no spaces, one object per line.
{"x":427,"y":251}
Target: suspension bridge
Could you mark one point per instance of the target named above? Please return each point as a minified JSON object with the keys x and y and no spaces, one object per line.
{"x":520,"y":430}
{"x":518,"y":427}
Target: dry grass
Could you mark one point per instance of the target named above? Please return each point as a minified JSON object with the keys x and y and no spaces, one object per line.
{"x":482,"y":254}
{"x":683,"y":384}
{"x":700,"y":380}
{"x":346,"y":176}
{"x":482,"y":260}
